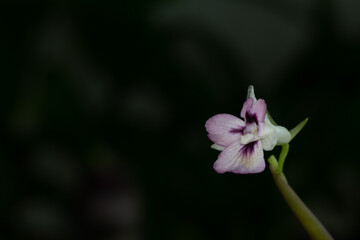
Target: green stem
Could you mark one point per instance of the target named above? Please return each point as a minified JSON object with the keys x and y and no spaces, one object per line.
{"x":283,"y":154}
{"x":307,"y":219}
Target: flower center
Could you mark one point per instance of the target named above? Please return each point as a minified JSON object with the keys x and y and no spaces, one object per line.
{"x":251,"y":128}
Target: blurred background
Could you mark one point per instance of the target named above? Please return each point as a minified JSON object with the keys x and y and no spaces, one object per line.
{"x":103,"y":106}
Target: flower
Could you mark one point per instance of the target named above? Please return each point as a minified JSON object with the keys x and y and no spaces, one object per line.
{"x":242,"y":142}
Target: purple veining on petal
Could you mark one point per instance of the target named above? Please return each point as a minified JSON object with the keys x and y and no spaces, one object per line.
{"x":219,"y":129}
{"x":249,"y":148}
{"x":241,"y":159}
{"x":237,"y":130}
{"x":251,"y":118}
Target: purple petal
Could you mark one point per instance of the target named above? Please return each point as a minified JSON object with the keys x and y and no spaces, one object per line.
{"x":224,"y":129}
{"x":254,"y":112}
{"x":246,"y":107}
{"x":242,"y":159}
{"x":260,"y":110}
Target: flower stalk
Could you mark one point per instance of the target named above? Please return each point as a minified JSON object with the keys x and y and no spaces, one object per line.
{"x":308,"y":220}
{"x":283,"y":154}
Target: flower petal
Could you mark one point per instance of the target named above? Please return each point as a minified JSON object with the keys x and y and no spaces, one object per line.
{"x":224,"y":129}
{"x":254,"y":106}
{"x":283,"y":134}
{"x":242,"y":159}
{"x":270,"y":138}
{"x":254,"y":113}
{"x":251,"y":93}
{"x":246,"y":107}
{"x":260,"y":110}
{"x":217,"y":147}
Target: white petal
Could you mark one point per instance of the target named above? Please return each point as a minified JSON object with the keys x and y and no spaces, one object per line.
{"x":251,"y":93}
{"x":243,"y":159}
{"x":217,"y":147}
{"x":283,"y":134}
{"x":270,"y":138}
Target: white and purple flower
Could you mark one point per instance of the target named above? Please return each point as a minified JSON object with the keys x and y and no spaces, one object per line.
{"x":242,"y":141}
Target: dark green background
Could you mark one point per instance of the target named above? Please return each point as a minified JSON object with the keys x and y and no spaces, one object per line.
{"x":103,"y":106}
